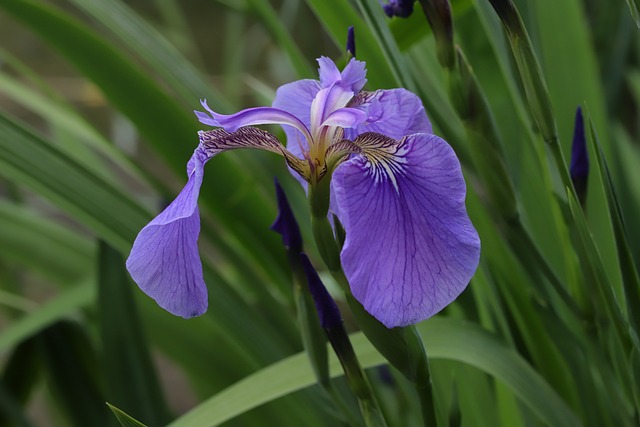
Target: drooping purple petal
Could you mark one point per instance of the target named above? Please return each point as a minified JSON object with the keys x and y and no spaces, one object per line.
{"x":252,"y":116}
{"x":394,"y":112}
{"x":164,"y":260}
{"x":410,"y":247}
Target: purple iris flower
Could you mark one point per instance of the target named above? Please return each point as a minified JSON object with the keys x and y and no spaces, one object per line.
{"x":397,"y":189}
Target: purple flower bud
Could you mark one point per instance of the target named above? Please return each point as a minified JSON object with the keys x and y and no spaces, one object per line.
{"x":399,"y":8}
{"x":285,"y":224}
{"x":351,"y":41}
{"x":328,"y":311}
{"x":579,"y":168}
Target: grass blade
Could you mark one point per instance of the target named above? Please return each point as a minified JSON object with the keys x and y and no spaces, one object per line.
{"x":445,"y":339}
{"x":131,"y":379}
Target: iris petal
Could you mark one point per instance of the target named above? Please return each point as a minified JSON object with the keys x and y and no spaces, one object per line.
{"x":410,"y":247}
{"x":296,"y":98}
{"x":164,"y":260}
{"x":394,"y":112}
{"x":252,"y":116}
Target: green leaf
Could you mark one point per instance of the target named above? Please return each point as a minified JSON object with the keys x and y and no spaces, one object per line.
{"x":154,"y":48}
{"x":66,"y":303}
{"x":43,"y":245}
{"x":164,"y":123}
{"x":72,"y":374}
{"x":132,"y":383}
{"x":634,"y":6}
{"x":445,"y":339}
{"x":337,"y":17}
{"x":273,"y":24}
{"x":630,"y":278}
{"x":20,"y":376}
{"x":30,"y":160}
{"x":124,"y":419}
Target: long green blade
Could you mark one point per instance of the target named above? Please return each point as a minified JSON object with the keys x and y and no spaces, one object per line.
{"x":445,"y":339}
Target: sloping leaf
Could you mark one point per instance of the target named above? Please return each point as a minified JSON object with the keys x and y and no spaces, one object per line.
{"x":444,"y":338}
{"x":28,"y":159}
{"x":124,"y":419}
{"x":152,"y":46}
{"x":63,"y":305}
{"x":42,"y":245}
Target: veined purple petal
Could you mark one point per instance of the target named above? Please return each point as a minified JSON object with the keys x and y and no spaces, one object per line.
{"x":395,"y":113}
{"x":328,"y":72}
{"x":352,"y":78}
{"x":164,"y":260}
{"x":296,"y":98}
{"x":354,"y":75}
{"x":327,"y":101}
{"x":254,"y":116}
{"x":345,"y":118}
{"x":410,"y":247}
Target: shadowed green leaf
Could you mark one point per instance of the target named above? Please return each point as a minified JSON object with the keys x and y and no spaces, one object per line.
{"x":72,"y":375}
{"x":124,"y":419}
{"x":131,"y":379}
{"x":630,"y":279}
{"x":61,"y":306}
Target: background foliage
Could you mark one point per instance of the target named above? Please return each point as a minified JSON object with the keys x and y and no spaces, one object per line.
{"x":95,"y":131}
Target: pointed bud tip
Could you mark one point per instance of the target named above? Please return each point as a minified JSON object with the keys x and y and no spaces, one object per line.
{"x":351,"y":42}
{"x":285,"y":224}
{"x":326,"y":307}
{"x":579,"y":155}
{"x":579,"y":168}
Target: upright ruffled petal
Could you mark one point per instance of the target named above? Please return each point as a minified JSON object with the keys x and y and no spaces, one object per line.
{"x":328,"y":72}
{"x":164,"y":260}
{"x":410,"y":247}
{"x":394,"y":112}
{"x":354,"y":75}
{"x":296,"y":98}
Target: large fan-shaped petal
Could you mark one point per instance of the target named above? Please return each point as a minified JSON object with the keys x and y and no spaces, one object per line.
{"x":410,"y":247}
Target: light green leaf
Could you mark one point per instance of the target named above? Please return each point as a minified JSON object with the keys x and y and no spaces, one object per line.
{"x":65,"y":304}
{"x":444,"y":338}
{"x":42,"y":245}
{"x":124,"y":419}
